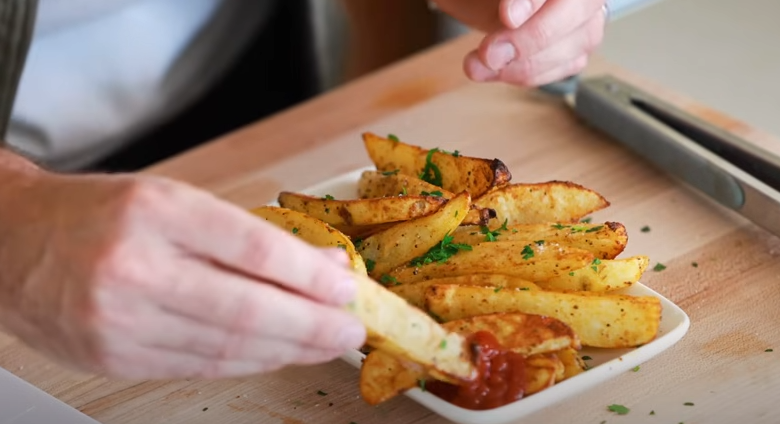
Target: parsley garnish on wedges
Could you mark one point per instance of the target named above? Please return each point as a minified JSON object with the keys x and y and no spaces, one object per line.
{"x":328,"y":197}
{"x":527,"y":252}
{"x":370,"y":264}
{"x":389,"y":280}
{"x":441,"y":252}
{"x":436,"y":193}
{"x":619,"y":409}
{"x":491,"y":235}
{"x":431,"y":173}
{"x":389,"y":173}
{"x":393,"y":137}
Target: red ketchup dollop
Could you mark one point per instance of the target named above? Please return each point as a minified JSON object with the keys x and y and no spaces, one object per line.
{"x":500,"y":377}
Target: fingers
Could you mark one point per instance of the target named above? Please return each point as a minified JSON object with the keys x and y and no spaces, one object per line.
{"x":567,"y":57}
{"x":247,"y":310}
{"x":566,"y":54}
{"x":216,"y":230}
{"x":514,"y":13}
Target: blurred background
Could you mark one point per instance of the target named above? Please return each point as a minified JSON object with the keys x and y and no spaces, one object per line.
{"x":723,"y":53}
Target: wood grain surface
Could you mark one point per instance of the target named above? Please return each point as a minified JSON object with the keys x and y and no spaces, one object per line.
{"x":732,"y":296}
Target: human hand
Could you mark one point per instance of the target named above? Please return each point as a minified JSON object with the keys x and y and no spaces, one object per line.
{"x":141,"y":277}
{"x":530,"y":42}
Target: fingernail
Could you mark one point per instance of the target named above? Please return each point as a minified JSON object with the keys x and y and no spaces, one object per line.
{"x":479,"y":72}
{"x":519,"y":12}
{"x":499,"y":55}
{"x":352,"y":336}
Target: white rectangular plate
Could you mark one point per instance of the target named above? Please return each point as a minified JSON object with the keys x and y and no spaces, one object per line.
{"x":604,"y":365}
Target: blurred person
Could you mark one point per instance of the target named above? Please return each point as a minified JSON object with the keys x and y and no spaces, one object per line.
{"x":134,"y":276}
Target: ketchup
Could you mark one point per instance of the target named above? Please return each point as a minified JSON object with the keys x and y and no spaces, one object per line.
{"x":500,"y":377}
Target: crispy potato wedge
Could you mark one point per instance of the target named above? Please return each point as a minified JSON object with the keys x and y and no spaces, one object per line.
{"x":600,"y":320}
{"x":401,"y":243}
{"x":383,"y":376}
{"x":408,"y":333}
{"x":532,"y":262}
{"x":456,"y":173}
{"x":605,"y":241}
{"x":387,"y":184}
{"x":572,"y":363}
{"x":607,"y":275}
{"x":373,"y":184}
{"x":550,"y":202}
{"x":548,"y":360}
{"x":356,"y":212}
{"x":541,"y":373}
{"x":414,"y":293}
{"x":311,"y":230}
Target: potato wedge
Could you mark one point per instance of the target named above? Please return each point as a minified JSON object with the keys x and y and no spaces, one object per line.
{"x":532,"y":262}
{"x":600,"y":320}
{"x":374,"y":184}
{"x":550,"y":202}
{"x":387,"y":184}
{"x":408,"y":333}
{"x":311,"y":230}
{"x":540,"y":373}
{"x":572,"y":363}
{"x":361,"y":211}
{"x":414,"y":293}
{"x":383,"y":376}
{"x":448,"y":171}
{"x":401,"y":243}
{"x":606,"y":275}
{"x":605,"y":241}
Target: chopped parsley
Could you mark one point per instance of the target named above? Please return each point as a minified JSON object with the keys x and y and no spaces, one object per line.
{"x":659,"y":267}
{"x":455,"y":153}
{"x":328,"y":197}
{"x":421,"y":383}
{"x":571,"y":273}
{"x":389,"y":280}
{"x":370,"y":264}
{"x":525,"y":288}
{"x":695,"y":264}
{"x":498,"y":289}
{"x":586,"y":358}
{"x":491,"y":235}
{"x":321,"y":393}
{"x":652,"y":412}
{"x":769,"y":350}
{"x":595,"y":265}
{"x":441,"y":252}
{"x":295,"y":230}
{"x":357,"y":243}
{"x":586,"y":220}
{"x":688,"y":403}
{"x":559,"y":226}
{"x":635,"y":369}
{"x":527,"y":252}
{"x":645,"y":229}
{"x":539,"y":242}
{"x":594,"y":229}
{"x":393,"y":137}
{"x":431,"y":173}
{"x":618,"y":409}
{"x":436,"y":193}
{"x":389,"y":173}
{"x":342,"y":246}
{"x":443,"y":344}
{"x":403,"y":191}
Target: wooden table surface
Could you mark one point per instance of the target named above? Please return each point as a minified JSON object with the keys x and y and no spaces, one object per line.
{"x":732,"y":296}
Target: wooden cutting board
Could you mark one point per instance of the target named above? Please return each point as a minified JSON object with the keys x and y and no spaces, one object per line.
{"x":723,"y":271}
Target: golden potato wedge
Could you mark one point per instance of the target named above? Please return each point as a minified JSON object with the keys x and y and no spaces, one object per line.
{"x":361,"y":211}
{"x":550,"y":202}
{"x":600,"y":320}
{"x":572,"y":363}
{"x":605,"y":241}
{"x":391,"y":183}
{"x":449,"y":171}
{"x":401,"y":243}
{"x":408,"y":333}
{"x":414,"y":293}
{"x":532,"y":262}
{"x":601,"y":276}
{"x":548,"y":360}
{"x":374,"y":184}
{"x":311,"y":230}
{"x":383,"y":376}
{"x":540,"y":373}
